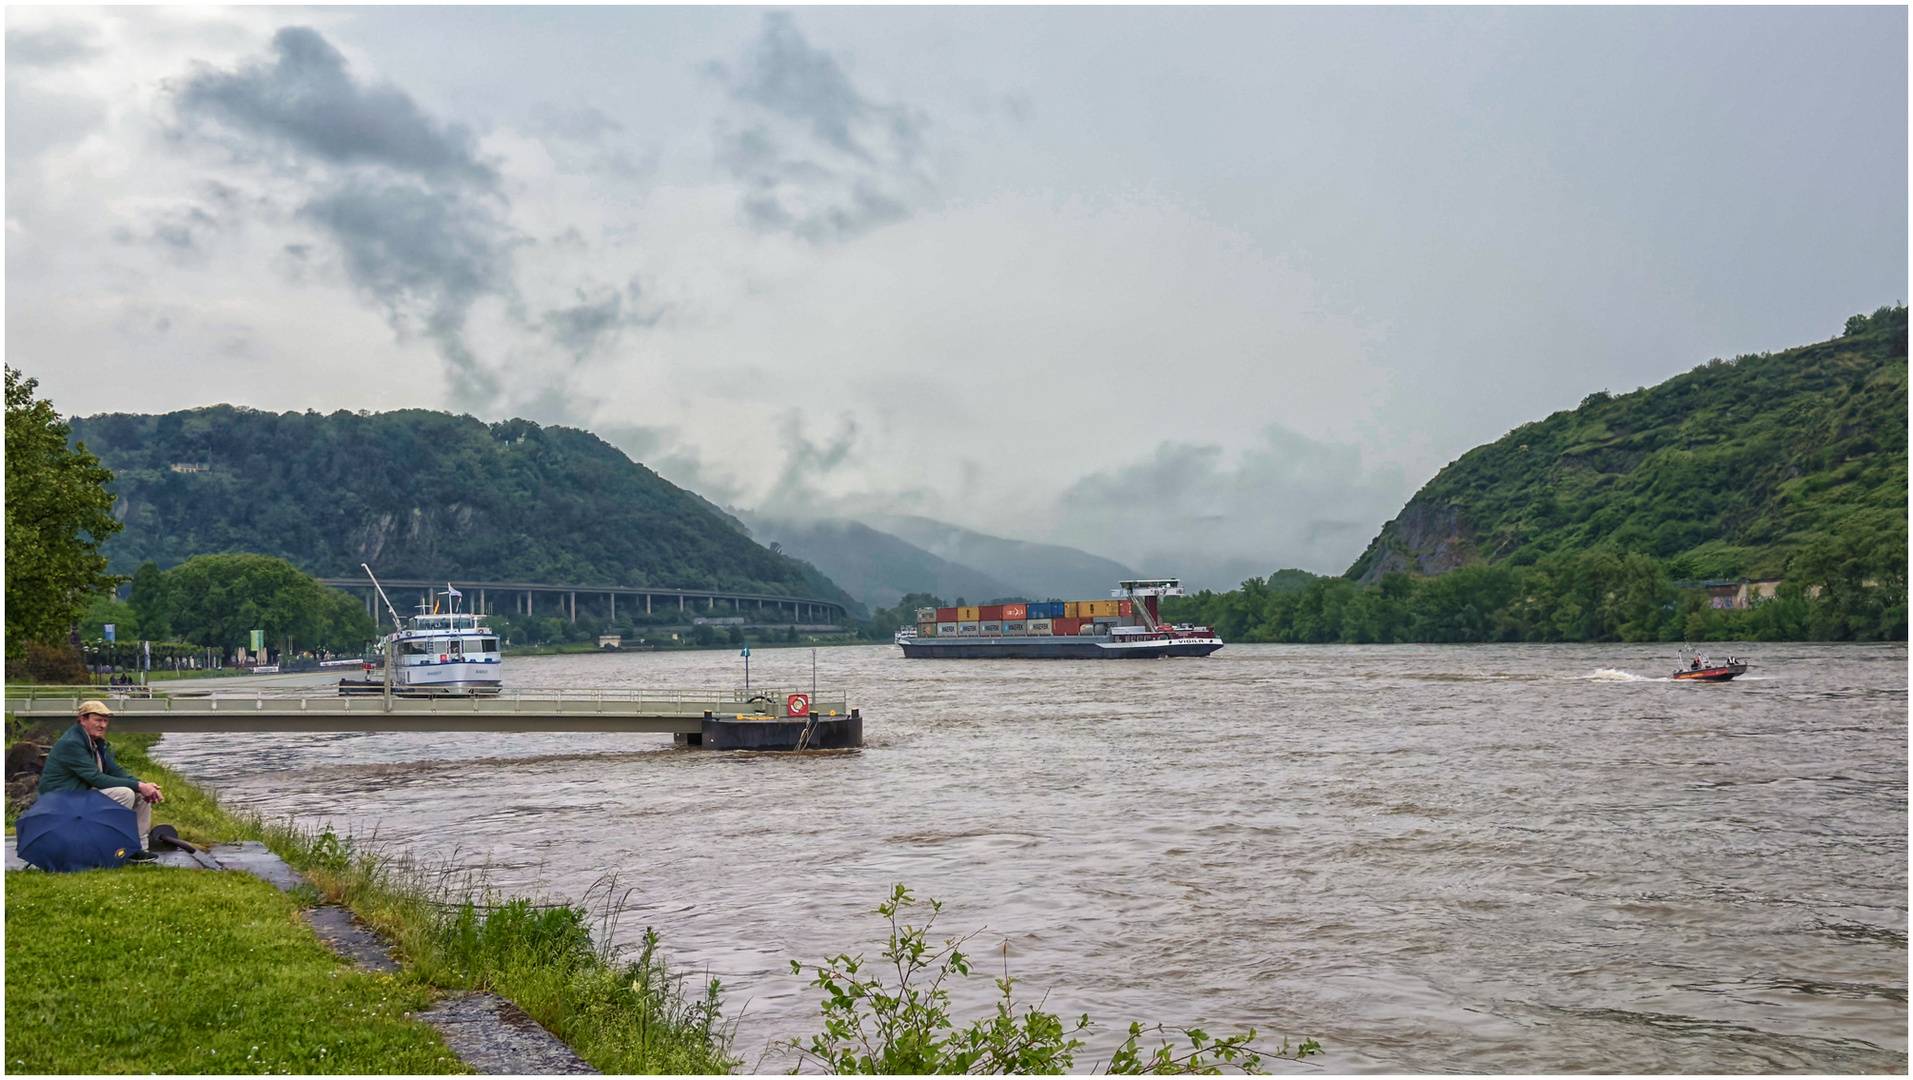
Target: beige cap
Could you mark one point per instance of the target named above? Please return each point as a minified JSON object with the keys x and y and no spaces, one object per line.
{"x":97,"y":708}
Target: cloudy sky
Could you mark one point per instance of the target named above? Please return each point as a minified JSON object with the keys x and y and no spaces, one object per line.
{"x":1200,"y":290}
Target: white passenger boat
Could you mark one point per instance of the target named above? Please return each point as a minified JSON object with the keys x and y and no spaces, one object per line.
{"x":437,"y":652}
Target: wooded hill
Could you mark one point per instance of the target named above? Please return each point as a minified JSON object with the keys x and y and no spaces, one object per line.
{"x":1729,"y":470}
{"x":419,"y":494}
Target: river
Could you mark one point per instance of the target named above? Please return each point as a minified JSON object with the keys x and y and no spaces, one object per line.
{"x":1430,"y":858}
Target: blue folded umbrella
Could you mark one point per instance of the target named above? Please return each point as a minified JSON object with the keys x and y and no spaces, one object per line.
{"x":75,"y":830}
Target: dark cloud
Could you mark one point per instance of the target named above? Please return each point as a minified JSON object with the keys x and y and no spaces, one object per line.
{"x":305,"y":98}
{"x":579,"y":328}
{"x":417,"y":216}
{"x":50,"y":47}
{"x":795,"y":493}
{"x":817,"y":157}
{"x":425,"y":259}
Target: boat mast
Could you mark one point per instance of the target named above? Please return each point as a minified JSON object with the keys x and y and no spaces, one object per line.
{"x":389,"y":658}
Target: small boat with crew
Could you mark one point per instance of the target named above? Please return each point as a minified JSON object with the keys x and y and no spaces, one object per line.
{"x":435,"y":652}
{"x":1699,"y":668}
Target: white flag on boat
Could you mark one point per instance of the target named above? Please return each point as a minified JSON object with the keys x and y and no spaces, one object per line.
{"x":452,"y":591}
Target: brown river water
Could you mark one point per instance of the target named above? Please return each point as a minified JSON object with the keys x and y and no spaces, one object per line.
{"x":1430,"y":858}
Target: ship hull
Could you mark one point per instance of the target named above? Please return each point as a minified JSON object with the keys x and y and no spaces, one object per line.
{"x":1717,"y":673}
{"x":1039,"y":648}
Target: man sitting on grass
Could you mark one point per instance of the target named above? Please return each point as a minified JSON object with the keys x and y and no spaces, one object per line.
{"x":81,"y":759}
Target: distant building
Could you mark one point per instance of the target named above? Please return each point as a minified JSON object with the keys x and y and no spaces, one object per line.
{"x":610,"y":641}
{"x":190,"y":466}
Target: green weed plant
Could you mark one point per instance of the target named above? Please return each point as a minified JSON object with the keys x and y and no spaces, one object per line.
{"x":903,"y":1026}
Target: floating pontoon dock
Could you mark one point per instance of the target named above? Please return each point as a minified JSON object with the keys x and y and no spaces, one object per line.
{"x":770,"y":719}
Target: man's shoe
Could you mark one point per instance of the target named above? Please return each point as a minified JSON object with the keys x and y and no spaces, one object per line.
{"x":142,"y":857}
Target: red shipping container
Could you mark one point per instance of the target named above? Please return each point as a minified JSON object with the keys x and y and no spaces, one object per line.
{"x":946,"y":614}
{"x":1066,"y":627}
{"x":1125,"y":608}
{"x":1013,"y":612}
{"x":993,"y":613}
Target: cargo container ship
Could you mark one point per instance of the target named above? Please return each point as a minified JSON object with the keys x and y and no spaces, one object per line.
{"x":1126,"y":626}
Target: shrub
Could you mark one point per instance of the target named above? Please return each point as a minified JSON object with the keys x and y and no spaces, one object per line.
{"x":874,"y":1026}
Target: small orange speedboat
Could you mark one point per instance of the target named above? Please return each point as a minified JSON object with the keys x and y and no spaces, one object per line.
{"x":1700,"y":669}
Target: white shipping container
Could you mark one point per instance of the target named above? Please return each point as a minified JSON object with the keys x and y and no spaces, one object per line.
{"x":992,"y":629}
{"x":1014,"y":629}
{"x":946,"y":629}
{"x":966,"y":629}
{"x":1037,"y":628}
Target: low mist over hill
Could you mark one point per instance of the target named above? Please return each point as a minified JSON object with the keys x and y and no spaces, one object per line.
{"x":1038,"y":571}
{"x":1724,"y":471}
{"x":417,"y":493}
{"x":876,"y":567}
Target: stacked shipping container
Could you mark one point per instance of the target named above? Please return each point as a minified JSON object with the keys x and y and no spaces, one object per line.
{"x":1044,"y":619}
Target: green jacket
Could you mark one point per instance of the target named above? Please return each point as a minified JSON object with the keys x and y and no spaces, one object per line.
{"x":70,"y":765}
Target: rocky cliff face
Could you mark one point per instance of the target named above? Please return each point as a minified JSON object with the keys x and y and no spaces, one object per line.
{"x":1425,"y":539}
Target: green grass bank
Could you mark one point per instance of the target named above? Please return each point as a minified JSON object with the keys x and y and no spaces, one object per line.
{"x":159,"y":969}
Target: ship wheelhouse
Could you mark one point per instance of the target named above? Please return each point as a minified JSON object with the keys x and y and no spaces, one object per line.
{"x":451,"y":651}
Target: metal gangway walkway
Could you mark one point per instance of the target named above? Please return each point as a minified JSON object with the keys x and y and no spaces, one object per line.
{"x":520,"y":709}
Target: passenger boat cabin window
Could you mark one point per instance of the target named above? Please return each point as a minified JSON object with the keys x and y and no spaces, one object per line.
{"x":489,"y":644}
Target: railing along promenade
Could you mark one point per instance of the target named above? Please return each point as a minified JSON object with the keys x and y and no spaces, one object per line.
{"x":522,"y":593}
{"x":519,"y":709}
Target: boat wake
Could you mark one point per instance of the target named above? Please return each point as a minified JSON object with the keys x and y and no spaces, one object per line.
{"x":1616,"y":675}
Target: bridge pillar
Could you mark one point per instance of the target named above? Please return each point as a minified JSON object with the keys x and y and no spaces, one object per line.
{"x":680,"y":603}
{"x":613,"y":598}
{"x":481,"y":602}
{"x":647,"y":603}
{"x":574,"y":607}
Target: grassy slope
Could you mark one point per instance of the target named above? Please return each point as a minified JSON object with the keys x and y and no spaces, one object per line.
{"x":184,"y":971}
{"x":1726,"y":470}
{"x":622,"y":1015}
{"x":419,"y":494}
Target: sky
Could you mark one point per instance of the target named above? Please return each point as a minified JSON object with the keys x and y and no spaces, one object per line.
{"x":1208,"y":291}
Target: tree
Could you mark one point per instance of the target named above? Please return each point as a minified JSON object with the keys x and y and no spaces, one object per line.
{"x":58,"y":512}
{"x":217,"y":600}
{"x":148,"y":598}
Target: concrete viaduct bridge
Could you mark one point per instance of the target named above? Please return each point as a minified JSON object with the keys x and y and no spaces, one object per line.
{"x":525,"y":596}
